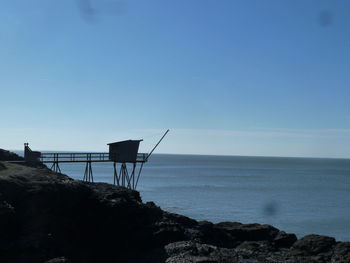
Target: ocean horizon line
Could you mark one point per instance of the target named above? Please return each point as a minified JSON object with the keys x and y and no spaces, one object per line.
{"x":208,"y":155}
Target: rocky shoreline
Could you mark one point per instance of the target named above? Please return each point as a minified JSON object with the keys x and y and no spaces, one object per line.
{"x":49,"y":217}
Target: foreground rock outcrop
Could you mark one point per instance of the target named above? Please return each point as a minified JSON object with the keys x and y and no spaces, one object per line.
{"x":49,"y":217}
{"x":9,"y":156}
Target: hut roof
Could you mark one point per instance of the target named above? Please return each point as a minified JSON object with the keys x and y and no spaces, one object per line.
{"x":124,"y":141}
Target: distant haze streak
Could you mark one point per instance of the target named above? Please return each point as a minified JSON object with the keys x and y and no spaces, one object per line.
{"x":257,"y":142}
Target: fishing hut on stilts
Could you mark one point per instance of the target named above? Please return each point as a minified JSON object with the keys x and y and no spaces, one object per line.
{"x":126,"y":152}
{"x":123,"y":154}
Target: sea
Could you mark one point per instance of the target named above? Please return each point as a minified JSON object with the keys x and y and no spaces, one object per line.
{"x":297,"y":195}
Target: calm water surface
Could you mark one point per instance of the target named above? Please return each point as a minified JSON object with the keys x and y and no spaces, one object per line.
{"x":299,"y":195}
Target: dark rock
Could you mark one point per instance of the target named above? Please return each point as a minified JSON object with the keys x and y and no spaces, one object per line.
{"x":172,"y":228}
{"x":49,"y":217}
{"x":180,"y":219}
{"x":248,"y":232}
{"x":13,"y":157}
{"x":7,"y":231}
{"x":254,"y":251}
{"x":85,"y":222}
{"x":341,"y":253}
{"x":34,"y":165}
{"x":210,"y":234}
{"x":58,"y":260}
{"x":9,"y":156}
{"x":255,"y":246}
{"x":7,"y":219}
{"x":283,"y":239}
{"x":188,"y":251}
{"x":169,"y":232}
{"x":314,"y":244}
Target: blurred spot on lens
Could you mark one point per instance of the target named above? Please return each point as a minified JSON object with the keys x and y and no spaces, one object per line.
{"x":270,"y":208}
{"x":325,"y":18}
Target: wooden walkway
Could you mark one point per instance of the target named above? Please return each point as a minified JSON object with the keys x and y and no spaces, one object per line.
{"x":84,"y":157}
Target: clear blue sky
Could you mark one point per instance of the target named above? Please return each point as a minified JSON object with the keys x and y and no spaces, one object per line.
{"x":227,"y":77}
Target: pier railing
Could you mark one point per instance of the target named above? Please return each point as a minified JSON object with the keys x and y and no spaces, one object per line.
{"x":83,"y":157}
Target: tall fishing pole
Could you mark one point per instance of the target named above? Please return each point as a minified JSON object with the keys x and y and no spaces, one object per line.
{"x":157,"y":145}
{"x":138,"y":176}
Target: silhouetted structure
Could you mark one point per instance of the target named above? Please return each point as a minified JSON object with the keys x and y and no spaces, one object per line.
{"x":31,"y":156}
{"x":124,"y":153}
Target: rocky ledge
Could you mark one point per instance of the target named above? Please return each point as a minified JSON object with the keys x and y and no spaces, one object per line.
{"x":49,"y":217}
{"x":9,"y":156}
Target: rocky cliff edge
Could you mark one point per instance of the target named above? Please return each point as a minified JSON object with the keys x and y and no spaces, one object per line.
{"x":49,"y":217}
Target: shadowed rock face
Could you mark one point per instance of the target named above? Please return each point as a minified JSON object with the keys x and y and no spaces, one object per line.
{"x":49,"y":217}
{"x":13,"y":157}
{"x":314,"y":244}
{"x":9,"y":156}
